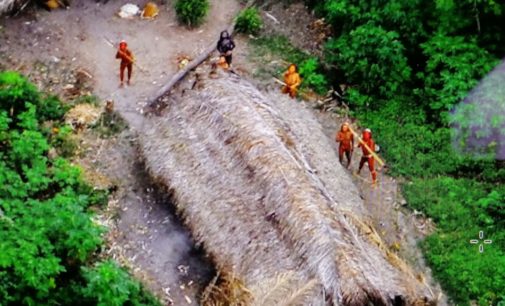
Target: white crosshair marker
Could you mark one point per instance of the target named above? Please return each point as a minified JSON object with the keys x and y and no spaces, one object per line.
{"x":481,"y":244}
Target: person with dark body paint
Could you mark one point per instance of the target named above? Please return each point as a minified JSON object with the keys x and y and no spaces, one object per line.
{"x":225,"y":46}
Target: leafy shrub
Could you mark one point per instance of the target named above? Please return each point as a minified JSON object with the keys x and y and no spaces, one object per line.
{"x":63,"y":141}
{"x":461,"y":208}
{"x":249,"y":21}
{"x":454,"y":66}
{"x":16,"y":92}
{"x":46,"y":231}
{"x":110,"y":285}
{"x":52,"y":232}
{"x":110,"y":123}
{"x":191,"y":12}
{"x":308,"y":70}
{"x":373,"y":58}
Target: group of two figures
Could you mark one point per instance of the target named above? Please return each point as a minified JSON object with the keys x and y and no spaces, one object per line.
{"x":225,"y":46}
{"x":345,"y":137}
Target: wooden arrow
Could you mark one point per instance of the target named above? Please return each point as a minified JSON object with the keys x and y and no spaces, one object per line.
{"x":279,"y":81}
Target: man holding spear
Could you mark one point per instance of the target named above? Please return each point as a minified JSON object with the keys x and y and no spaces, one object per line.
{"x":291,"y":81}
{"x":127,"y":61}
{"x":367,"y":145}
{"x":346,"y":139}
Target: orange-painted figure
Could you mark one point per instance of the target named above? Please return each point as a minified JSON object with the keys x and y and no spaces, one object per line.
{"x":292,"y":80}
{"x":367,"y":155}
{"x":127,"y":60}
{"x":222,"y":63}
{"x":346,"y":140}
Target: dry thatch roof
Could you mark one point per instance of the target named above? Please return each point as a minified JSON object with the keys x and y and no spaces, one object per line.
{"x":259,"y":185}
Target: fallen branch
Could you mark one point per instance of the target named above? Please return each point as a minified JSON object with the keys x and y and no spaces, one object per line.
{"x":182,"y":73}
{"x":272,"y":17}
{"x":279,"y":81}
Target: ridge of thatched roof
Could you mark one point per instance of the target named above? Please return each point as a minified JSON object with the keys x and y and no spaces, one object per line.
{"x":258,"y":184}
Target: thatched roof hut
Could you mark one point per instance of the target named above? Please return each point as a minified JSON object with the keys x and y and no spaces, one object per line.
{"x":259,"y":185}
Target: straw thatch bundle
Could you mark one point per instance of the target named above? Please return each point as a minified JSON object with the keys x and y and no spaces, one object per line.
{"x":82,"y":115}
{"x":259,"y":185}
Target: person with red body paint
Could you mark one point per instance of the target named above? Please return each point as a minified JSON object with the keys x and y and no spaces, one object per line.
{"x":127,"y":60}
{"x":346,"y":139}
{"x":367,"y":155}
